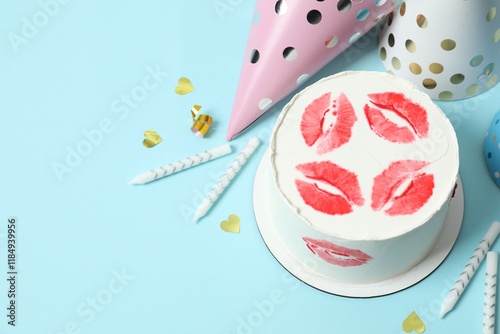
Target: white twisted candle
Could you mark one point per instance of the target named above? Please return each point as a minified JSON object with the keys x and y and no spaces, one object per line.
{"x":224,"y":181}
{"x":490,"y":291}
{"x":470,"y":268}
{"x":180,"y":165}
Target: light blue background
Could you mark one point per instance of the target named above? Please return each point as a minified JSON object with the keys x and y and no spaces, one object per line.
{"x":90,"y":237}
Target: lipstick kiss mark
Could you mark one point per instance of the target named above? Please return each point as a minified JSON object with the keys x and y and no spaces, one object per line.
{"x":335,"y":254}
{"x":329,"y":174}
{"x":404,"y":176}
{"x":413,"y":115}
{"x":329,"y":124}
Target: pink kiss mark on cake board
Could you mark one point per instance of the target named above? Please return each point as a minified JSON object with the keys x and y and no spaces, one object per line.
{"x":413,"y":114}
{"x":335,"y":254}
{"x":417,"y":193}
{"x":331,"y":174}
{"x":336,"y":133}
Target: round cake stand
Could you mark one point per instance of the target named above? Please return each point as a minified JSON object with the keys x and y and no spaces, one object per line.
{"x":264,"y":218}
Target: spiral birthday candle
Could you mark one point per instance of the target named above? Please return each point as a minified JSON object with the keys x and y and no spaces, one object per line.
{"x":490,"y":292}
{"x":224,"y":181}
{"x":470,"y":268}
{"x":181,"y":165}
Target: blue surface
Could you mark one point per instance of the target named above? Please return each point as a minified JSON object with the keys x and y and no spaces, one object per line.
{"x":95,"y":255}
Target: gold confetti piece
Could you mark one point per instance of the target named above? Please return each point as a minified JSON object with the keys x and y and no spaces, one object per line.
{"x":413,"y":323}
{"x":232,"y":224}
{"x":201,"y":126}
{"x":184,"y":86}
{"x":201,"y":122}
{"x":194,"y":111}
{"x":152,"y":139}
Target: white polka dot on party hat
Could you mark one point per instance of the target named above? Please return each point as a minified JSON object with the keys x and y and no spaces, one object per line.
{"x":302,"y":78}
{"x":290,"y":53}
{"x":362,"y":14}
{"x":281,"y":7}
{"x":265,"y":103}
{"x":331,"y":41}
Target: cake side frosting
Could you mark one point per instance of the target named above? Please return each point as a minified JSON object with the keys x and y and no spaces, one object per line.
{"x":352,"y":261}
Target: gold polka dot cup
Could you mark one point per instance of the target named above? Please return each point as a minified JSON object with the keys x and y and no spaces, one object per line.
{"x":449,"y":49}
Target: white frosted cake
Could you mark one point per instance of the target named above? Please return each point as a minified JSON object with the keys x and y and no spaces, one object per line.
{"x":363,"y":166}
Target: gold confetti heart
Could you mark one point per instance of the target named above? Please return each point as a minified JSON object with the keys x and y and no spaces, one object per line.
{"x":184,"y":86}
{"x":232,"y":224}
{"x":413,"y":323}
{"x":152,"y":139}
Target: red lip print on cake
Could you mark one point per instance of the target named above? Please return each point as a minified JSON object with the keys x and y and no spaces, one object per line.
{"x":403,"y":177}
{"x":412,"y":116}
{"x":329,"y":175}
{"x":335,"y":254}
{"x":328,"y":123}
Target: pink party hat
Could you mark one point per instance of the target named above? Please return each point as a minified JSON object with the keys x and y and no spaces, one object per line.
{"x":291,"y":40}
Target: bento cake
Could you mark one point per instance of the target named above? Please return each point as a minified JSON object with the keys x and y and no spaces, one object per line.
{"x":363,"y":168}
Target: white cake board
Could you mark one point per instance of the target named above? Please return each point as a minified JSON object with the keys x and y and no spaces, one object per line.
{"x":264,"y":218}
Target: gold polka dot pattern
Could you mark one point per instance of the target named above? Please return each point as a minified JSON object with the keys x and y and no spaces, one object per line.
{"x":448,"y":49}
